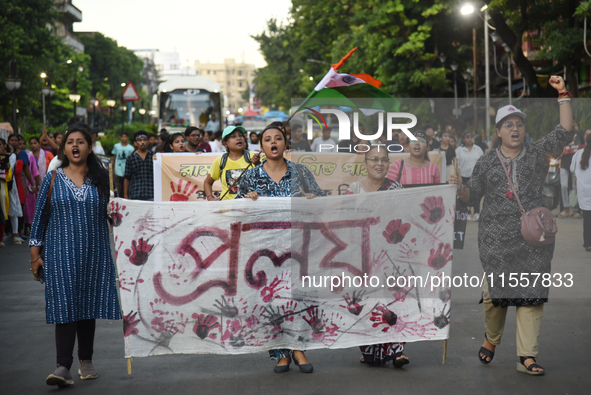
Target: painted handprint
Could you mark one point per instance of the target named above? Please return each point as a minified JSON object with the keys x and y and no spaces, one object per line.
{"x":117,"y":213}
{"x":315,"y":320}
{"x":178,"y":196}
{"x":274,"y":317}
{"x":139,"y":252}
{"x":442,"y":320}
{"x":383,"y":316}
{"x":433,"y":209}
{"x":395,"y":231}
{"x":268,"y":293}
{"x":440,"y":257}
{"x":353,"y":302}
{"x":289,"y":310}
{"x":204,"y":324}
{"x":226,"y":307}
{"x":130,"y":323}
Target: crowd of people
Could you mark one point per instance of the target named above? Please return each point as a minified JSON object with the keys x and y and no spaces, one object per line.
{"x":60,"y":185}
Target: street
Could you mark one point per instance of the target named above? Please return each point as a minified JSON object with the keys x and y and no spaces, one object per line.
{"x":28,"y":352}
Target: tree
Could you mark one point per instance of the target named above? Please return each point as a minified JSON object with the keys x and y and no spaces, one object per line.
{"x":25,"y":33}
{"x":110,"y":65}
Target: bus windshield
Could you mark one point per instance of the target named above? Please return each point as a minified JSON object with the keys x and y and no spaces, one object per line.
{"x":188,"y":106}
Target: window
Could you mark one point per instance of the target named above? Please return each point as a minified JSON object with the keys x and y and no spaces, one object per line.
{"x":240,"y":73}
{"x":240,"y":84}
{"x":208,"y":72}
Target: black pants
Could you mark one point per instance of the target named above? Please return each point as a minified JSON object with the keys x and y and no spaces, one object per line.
{"x":586,"y":228}
{"x":119,"y":185}
{"x":65,"y":336}
{"x":477,"y":207}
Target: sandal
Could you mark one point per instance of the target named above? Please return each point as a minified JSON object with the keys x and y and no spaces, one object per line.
{"x":401,"y":361}
{"x":486,"y":352}
{"x":529,"y":369}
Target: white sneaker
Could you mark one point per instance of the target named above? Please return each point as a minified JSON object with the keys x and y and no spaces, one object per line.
{"x":17,"y":240}
{"x":469,"y":217}
{"x":476,"y":217}
{"x":564,"y":214}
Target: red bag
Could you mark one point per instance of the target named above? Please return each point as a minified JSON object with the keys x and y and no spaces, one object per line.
{"x":538,"y":226}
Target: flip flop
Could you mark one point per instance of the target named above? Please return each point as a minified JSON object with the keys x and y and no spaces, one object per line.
{"x":487,"y":353}
{"x":529,"y":370}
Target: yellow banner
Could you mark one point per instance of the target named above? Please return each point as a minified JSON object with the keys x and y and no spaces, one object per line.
{"x":180,"y":177}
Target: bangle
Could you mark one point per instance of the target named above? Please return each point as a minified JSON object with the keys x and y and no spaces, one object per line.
{"x":35,"y":259}
{"x":565,"y":94}
{"x":563,"y":100}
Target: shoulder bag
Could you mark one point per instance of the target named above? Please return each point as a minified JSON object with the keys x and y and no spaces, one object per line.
{"x":538,"y":226}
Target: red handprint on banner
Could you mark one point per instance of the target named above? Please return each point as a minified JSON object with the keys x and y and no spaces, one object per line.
{"x":178,"y":196}
{"x":395,"y":231}
{"x":130,"y":323}
{"x":441,"y":256}
{"x":353,"y":302}
{"x":383,"y":316}
{"x":138,"y":254}
{"x":433,"y":209}
{"x":204,"y":325}
{"x":268,"y":293}
{"x":116,"y":214}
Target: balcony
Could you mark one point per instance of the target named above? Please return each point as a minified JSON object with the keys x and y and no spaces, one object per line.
{"x":68,"y":10}
{"x":74,"y":42}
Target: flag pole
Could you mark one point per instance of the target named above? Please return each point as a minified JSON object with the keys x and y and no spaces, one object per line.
{"x":444,"y":350}
{"x":128,"y":365}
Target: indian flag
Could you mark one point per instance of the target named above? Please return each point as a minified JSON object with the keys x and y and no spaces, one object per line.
{"x":340,"y":89}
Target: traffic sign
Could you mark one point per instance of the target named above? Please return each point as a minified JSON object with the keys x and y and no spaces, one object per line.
{"x":129,"y":93}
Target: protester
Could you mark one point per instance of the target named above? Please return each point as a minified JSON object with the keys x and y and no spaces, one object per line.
{"x":229,"y":167}
{"x":194,"y":138}
{"x":4,"y":192}
{"x":468,"y":154}
{"x":503,"y":249}
{"x":450,"y":154}
{"x":31,"y":190}
{"x":139,"y":170}
{"x":16,"y":214}
{"x":350,"y":145}
{"x":162,"y":139}
{"x":216,"y":143}
{"x":42,"y":157}
{"x":78,"y":269}
{"x":298,"y":142}
{"x":416,"y":169}
{"x":377,"y":164}
{"x":96,"y":145}
{"x":404,"y":141}
{"x":47,"y":143}
{"x":121,"y":151}
{"x":324,"y":143}
{"x":565,"y":173}
{"x":58,"y":138}
{"x":152,"y":141}
{"x":431,"y":139}
{"x":293,"y":180}
{"x":581,"y":169}
{"x":176,"y":143}
{"x":479,"y":142}
{"x":253,"y":143}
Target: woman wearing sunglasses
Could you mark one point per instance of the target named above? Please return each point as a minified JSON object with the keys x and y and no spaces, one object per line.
{"x":503,"y":250}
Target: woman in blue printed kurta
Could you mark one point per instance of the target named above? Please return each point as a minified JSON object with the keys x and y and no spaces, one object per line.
{"x":76,"y":258}
{"x":279,"y":177}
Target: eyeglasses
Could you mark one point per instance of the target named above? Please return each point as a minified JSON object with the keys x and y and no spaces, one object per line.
{"x":378,"y":160}
{"x":420,"y":141}
{"x":509,"y":125}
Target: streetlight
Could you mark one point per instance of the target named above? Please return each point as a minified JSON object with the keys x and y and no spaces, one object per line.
{"x":46,"y":91}
{"x":454,"y":67}
{"x":142,"y":112}
{"x":466,"y":76}
{"x":508,"y":51}
{"x":468,"y":9}
{"x":93,"y":102}
{"x":111,"y":103}
{"x":12,"y":84}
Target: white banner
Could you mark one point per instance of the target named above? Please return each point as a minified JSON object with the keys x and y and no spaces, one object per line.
{"x":239,"y":276}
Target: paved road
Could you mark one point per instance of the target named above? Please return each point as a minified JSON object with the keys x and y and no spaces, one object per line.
{"x":27,"y":353}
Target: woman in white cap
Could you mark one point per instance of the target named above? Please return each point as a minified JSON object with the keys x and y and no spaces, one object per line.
{"x":504,"y":252}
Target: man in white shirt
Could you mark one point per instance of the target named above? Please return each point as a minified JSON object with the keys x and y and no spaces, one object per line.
{"x":216,"y":143}
{"x":96,"y":146}
{"x":468,"y":154}
{"x":212,"y":125}
{"x":324,"y":143}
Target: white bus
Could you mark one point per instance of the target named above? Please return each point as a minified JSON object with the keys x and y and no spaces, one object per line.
{"x":184,"y":101}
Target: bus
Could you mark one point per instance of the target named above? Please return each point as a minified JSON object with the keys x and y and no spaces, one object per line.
{"x":184,"y":101}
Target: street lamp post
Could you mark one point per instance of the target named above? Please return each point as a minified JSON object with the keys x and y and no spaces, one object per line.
{"x":93,"y":103}
{"x":142,"y":112}
{"x":508,"y":51}
{"x":454,"y":67}
{"x":12,"y":84}
{"x":46,"y":91}
{"x":111,"y":103}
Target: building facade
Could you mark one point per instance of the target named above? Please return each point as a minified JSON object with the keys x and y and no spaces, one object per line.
{"x":64,"y":27}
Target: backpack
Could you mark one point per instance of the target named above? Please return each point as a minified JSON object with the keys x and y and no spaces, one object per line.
{"x":225,"y":156}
